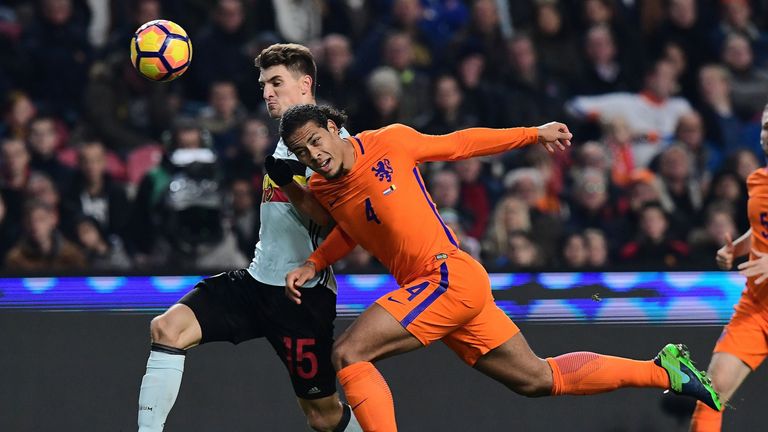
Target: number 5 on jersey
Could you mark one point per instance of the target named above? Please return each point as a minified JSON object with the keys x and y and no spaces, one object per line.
{"x":370,"y":215}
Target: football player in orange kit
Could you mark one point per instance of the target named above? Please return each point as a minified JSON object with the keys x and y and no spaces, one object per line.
{"x":743,"y":345}
{"x":371,"y":185}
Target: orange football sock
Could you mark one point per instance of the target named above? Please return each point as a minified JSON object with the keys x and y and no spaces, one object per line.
{"x":705,"y":419}
{"x":369,"y":396}
{"x":584,"y":373}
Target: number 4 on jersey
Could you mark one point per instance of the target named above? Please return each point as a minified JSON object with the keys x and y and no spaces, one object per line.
{"x":370,"y":215}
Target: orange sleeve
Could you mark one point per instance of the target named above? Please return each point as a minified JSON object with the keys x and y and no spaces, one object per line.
{"x":335,"y":247}
{"x":463,"y":144}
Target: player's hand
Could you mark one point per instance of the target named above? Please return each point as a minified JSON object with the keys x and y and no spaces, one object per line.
{"x":554,"y":134}
{"x":724,"y":255}
{"x":296,"y":278}
{"x":756,"y":267}
{"x":278,"y":170}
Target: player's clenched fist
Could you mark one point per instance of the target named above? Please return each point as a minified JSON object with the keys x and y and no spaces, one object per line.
{"x":554,"y":134}
{"x":296,"y":278}
{"x":724,"y":255}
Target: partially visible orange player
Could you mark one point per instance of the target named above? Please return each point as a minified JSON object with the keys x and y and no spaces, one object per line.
{"x":743,"y":345}
{"x":372,"y":187}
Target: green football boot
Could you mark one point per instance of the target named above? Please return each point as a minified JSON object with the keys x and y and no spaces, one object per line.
{"x":684,"y":378}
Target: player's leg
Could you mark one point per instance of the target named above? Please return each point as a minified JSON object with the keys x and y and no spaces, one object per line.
{"x":202,"y":315}
{"x":302,"y":336}
{"x":491,"y":343}
{"x":329,"y":414}
{"x":400,"y":321}
{"x":741,"y":348}
{"x":727,"y":373}
{"x":374,"y":335}
{"x":172,"y":334}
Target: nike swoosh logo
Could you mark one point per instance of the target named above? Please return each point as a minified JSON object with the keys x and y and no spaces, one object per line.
{"x":394,"y":300}
{"x":685,"y":379}
{"x":361,"y":402}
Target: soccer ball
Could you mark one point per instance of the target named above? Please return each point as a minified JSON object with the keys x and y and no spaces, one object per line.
{"x":161,"y":50}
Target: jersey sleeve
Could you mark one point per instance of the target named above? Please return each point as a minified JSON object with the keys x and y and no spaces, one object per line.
{"x":463,"y":144}
{"x":335,"y":247}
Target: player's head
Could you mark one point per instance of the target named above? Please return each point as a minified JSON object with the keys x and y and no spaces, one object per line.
{"x":287,"y":77}
{"x":311,"y":132}
{"x":764,"y":130}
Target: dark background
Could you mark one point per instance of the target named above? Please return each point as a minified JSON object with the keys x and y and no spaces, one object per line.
{"x":82,"y":371}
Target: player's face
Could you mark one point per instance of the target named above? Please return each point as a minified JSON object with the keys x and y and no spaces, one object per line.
{"x":319,"y":149}
{"x":283,"y":88}
{"x":764,"y":131}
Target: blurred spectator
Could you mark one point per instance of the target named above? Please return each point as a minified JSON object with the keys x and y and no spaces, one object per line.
{"x":743,"y":162}
{"x":473,"y":195}
{"x":59,"y":55}
{"x":651,"y":115}
{"x":604,"y":72}
{"x":448,"y":115}
{"x":705,"y":154}
{"x":102,"y":251}
{"x":728,"y":188}
{"x":685,"y":26}
{"x":223,"y":115}
{"x":44,"y":141}
{"x":246,"y":161}
{"x":9,"y":229}
{"x":618,"y":142}
{"x":511,"y":214}
{"x":653,"y":248}
{"x":749,"y":84}
{"x":597,"y":248}
{"x":14,"y":170}
{"x":245,"y":215}
{"x":522,"y":253}
{"x":219,"y":51}
{"x":681,"y":193}
{"x":736,"y":17}
{"x":575,"y":254}
{"x":480,"y":96}
{"x":723,"y":126}
{"x":382,"y":107}
{"x":626,"y":39}
{"x":554,"y":40}
{"x":718,"y":224}
{"x":298,"y":21}
{"x":445,"y":189}
{"x":336,"y":82}
{"x":398,"y":54}
{"x":42,"y":248}
{"x":528,"y":185}
{"x":484,"y":33}
{"x":94,"y":194}
{"x":590,"y":206}
{"x":534,"y":95}
{"x":17,"y":114}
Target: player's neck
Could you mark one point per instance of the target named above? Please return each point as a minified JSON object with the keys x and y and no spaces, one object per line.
{"x":348,"y":156}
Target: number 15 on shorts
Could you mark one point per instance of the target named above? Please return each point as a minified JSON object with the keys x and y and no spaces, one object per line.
{"x":299,"y":356}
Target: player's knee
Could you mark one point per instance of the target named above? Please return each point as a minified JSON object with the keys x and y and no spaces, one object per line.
{"x":164,"y":331}
{"x":345,"y":353}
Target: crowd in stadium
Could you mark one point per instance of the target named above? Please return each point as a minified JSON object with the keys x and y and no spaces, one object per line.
{"x":664,"y":98}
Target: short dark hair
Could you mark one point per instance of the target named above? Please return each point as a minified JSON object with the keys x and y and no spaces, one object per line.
{"x":295,"y":57}
{"x":299,"y":115}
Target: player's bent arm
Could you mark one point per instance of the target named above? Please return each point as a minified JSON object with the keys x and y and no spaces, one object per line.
{"x":336,"y":246}
{"x":305,"y":202}
{"x":743,"y":244}
{"x":469,"y":143}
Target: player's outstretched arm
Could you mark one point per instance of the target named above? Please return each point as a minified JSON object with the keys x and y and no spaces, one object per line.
{"x":732,"y":250}
{"x":469,"y":143}
{"x":301,"y":198}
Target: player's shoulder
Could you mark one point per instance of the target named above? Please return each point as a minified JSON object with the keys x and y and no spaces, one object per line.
{"x":393,"y":129}
{"x":758,"y":176}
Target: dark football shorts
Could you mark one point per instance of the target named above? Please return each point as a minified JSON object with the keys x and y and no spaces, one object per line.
{"x":235,"y":307}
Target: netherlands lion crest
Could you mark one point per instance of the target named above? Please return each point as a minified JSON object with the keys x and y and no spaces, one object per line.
{"x":383,"y":170}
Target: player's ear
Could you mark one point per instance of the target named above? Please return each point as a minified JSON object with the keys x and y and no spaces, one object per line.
{"x":306,"y":84}
{"x":331,"y":126}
